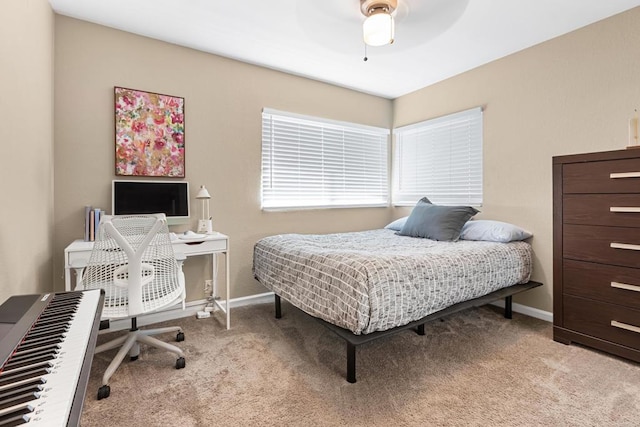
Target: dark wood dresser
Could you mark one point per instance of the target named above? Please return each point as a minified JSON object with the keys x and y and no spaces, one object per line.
{"x":596,"y":251}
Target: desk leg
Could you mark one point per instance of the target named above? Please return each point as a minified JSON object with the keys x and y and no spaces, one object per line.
{"x":214,"y":276}
{"x":226,"y":270}
{"x":67,"y":279}
{"x":78,"y":276}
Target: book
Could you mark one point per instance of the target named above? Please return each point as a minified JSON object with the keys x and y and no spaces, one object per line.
{"x":87,"y":220}
{"x":96,"y":218}
{"x":92,"y":224}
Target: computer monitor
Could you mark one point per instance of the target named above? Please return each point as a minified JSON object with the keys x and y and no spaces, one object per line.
{"x":143,"y":197}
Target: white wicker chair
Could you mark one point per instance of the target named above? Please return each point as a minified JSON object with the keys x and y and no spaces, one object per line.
{"x":134,"y":262}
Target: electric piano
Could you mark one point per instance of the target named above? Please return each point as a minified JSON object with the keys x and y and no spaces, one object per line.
{"x":46,"y":348}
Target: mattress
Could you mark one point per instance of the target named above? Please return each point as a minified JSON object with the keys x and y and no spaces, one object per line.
{"x":376,"y":280}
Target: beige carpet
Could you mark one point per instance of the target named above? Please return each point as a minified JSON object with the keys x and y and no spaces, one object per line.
{"x":475,"y":368}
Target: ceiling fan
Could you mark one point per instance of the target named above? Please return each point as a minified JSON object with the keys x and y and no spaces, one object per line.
{"x":378,"y":27}
{"x":339,"y":24}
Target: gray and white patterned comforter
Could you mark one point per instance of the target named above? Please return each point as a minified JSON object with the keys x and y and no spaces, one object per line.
{"x":376,"y":280}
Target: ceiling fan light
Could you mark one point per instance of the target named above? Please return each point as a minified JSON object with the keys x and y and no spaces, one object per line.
{"x":378,"y":29}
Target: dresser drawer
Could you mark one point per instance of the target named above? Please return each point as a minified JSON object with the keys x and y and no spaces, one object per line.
{"x":595,"y":177}
{"x":621,"y":210}
{"x":593,"y":243}
{"x":608,"y":283}
{"x":594,"y":318}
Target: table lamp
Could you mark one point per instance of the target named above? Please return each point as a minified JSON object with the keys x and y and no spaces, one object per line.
{"x":205,"y":224}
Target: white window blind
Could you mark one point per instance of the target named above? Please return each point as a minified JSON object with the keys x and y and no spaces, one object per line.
{"x":311,"y":162}
{"x":441,"y":159}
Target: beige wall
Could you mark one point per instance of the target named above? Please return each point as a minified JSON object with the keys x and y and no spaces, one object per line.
{"x":26,"y":174}
{"x":223,"y":103}
{"x":572,"y":94}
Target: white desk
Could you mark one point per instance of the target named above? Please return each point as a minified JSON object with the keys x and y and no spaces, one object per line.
{"x":77,"y":254}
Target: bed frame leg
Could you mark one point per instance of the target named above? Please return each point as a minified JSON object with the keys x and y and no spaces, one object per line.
{"x":278,"y":307}
{"x":508,"y":302}
{"x":351,"y":363}
{"x":420,"y":329}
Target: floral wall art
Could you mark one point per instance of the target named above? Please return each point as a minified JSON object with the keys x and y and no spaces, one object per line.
{"x":149,"y":134}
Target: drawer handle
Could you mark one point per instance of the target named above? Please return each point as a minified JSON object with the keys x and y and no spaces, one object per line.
{"x":624,"y":175}
{"x":632,"y":209}
{"x":625,"y":286}
{"x":626,"y":326}
{"x":628,"y":246}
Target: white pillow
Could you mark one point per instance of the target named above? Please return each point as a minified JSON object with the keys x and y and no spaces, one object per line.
{"x":397,"y":224}
{"x":493,"y":231}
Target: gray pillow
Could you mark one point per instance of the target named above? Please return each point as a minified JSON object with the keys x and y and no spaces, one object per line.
{"x":437,"y":222}
{"x":397,"y":224}
{"x":493,"y":231}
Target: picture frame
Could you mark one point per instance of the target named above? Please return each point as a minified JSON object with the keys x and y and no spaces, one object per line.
{"x":149,"y":134}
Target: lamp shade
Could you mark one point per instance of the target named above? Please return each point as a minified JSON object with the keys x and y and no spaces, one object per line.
{"x":203,"y":193}
{"x":378,"y":29}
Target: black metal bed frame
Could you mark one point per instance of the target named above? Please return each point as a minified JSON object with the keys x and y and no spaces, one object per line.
{"x":355,"y":340}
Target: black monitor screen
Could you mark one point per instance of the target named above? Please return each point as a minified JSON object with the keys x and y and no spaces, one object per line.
{"x":142,"y":197}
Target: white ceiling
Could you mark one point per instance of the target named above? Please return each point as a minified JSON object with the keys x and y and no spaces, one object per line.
{"x":322,"y":40}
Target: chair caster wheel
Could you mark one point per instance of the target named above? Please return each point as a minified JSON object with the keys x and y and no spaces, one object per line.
{"x":180,"y":363}
{"x":180,"y":336}
{"x":103,"y":392}
{"x":133,"y":358}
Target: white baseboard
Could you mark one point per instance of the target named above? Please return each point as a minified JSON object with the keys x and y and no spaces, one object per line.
{"x":264,"y":298}
{"x":528,"y":311}
{"x":175,"y":312}
{"x":192,"y":307}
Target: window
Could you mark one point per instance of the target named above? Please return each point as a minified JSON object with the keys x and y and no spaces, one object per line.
{"x":441,"y":159}
{"x":311,"y":162}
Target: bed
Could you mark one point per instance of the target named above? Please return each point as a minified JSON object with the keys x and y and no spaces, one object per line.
{"x":365,"y":285}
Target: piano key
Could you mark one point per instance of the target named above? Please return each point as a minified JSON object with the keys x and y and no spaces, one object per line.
{"x":51,"y":327}
{"x":34,"y":345}
{"x":57,"y":311}
{"x":52,"y":320}
{"x":26,"y":363}
{"x":19,"y":398}
{"x":35,"y":388}
{"x":64,"y":317}
{"x":34,"y":352}
{"x":44,"y":322}
{"x":23,"y":375}
{"x":38,"y":340}
{"x":44,"y":332}
{"x":37,"y":381}
{"x":15,"y":420}
{"x":12,"y":411}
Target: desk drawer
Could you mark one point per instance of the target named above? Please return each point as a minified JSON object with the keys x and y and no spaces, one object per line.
{"x":593,"y":243}
{"x":596,"y":209}
{"x":193,"y":248}
{"x":595,"y":177}
{"x":79,"y":259}
{"x":594,"y":318}
{"x":607,"y":283}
